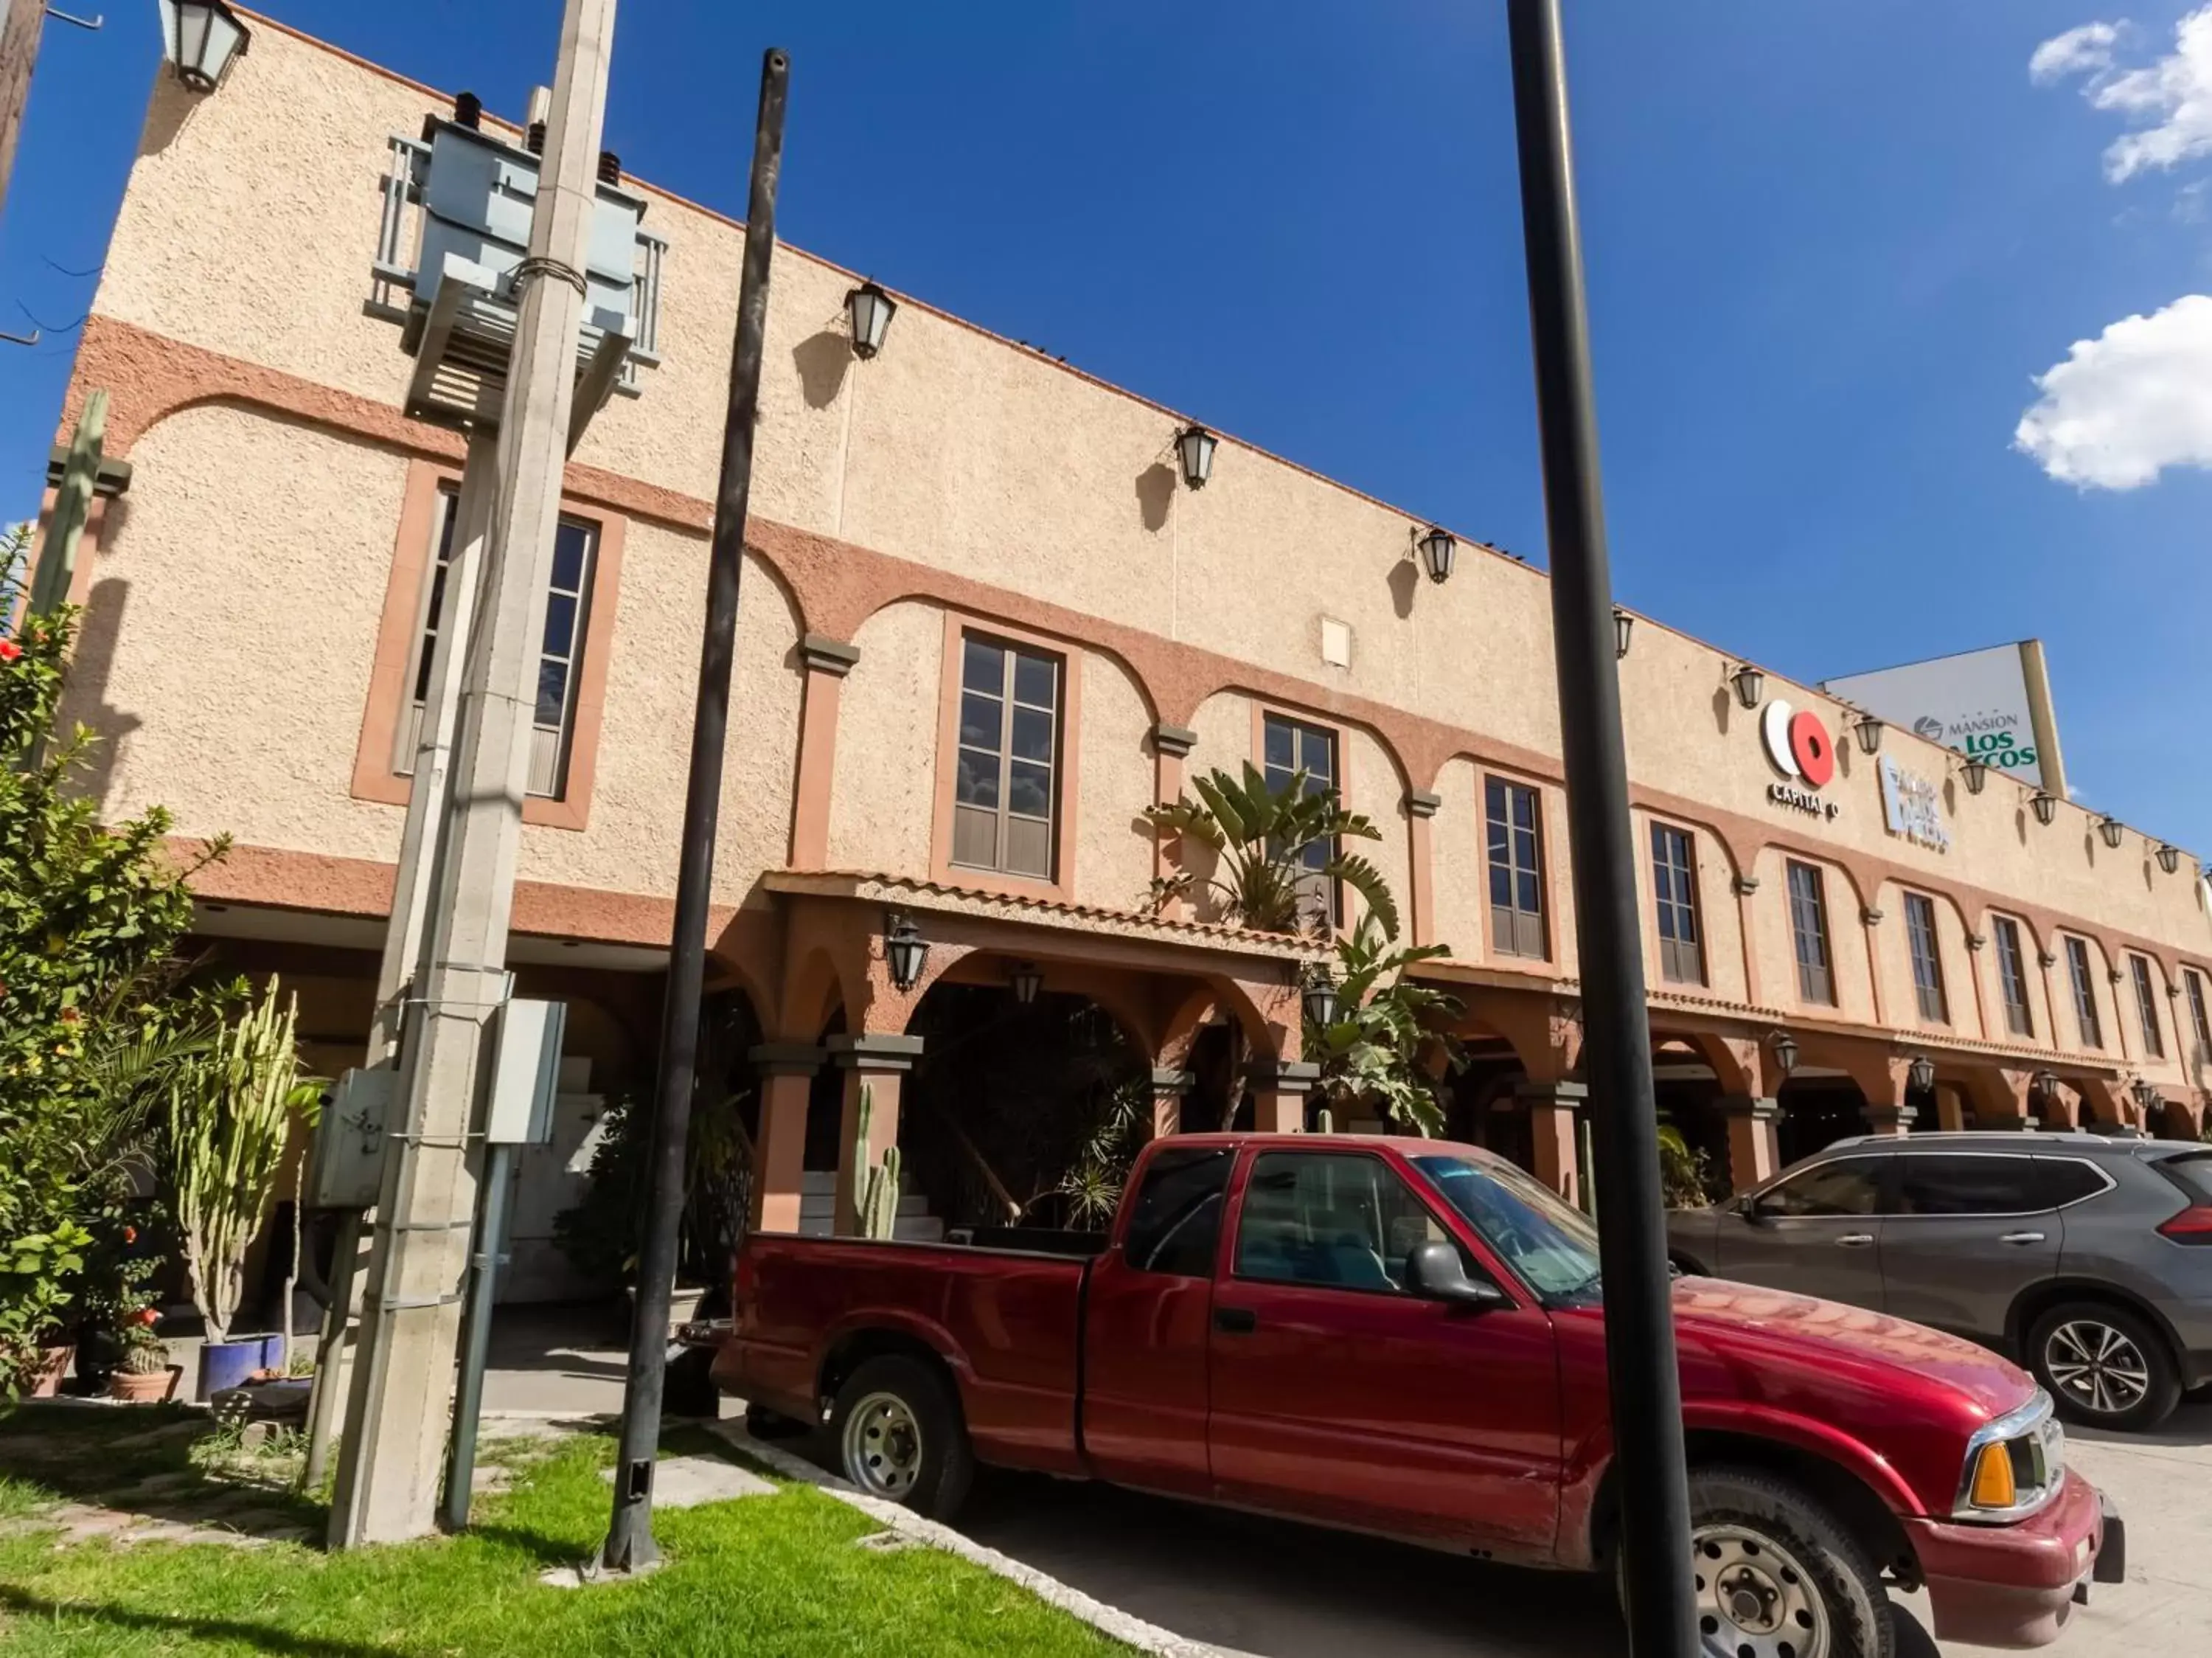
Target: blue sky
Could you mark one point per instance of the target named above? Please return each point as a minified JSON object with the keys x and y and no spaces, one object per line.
{"x":1831,"y":248}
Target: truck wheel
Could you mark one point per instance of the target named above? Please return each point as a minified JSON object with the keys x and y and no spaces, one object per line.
{"x":898,"y":1435}
{"x":2105,"y":1365}
{"x":1779,"y":1577}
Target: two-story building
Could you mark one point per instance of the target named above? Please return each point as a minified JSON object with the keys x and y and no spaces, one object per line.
{"x":986,"y":622}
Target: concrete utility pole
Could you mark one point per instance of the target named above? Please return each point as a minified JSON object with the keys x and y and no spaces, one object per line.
{"x":19,"y":55}
{"x":402,"y":1392}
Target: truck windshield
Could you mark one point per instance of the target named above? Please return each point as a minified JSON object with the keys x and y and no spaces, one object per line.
{"x":1553,"y":1246}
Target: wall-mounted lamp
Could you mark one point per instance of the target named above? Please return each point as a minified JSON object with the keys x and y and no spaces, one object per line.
{"x":1922,"y":1077}
{"x":1976,"y":772}
{"x":1320,"y":998}
{"x":1027,"y":981}
{"x":2147,"y":1097}
{"x":1750,"y":685}
{"x":200,"y":41}
{"x":2044,"y":805}
{"x":2044,"y":1085}
{"x":905,"y":951}
{"x":1439,"y":551}
{"x":1194,"y":448}
{"x":869,"y":309}
{"x":2169,"y":857}
{"x":2111,"y":829}
{"x":1786,"y":1051}
{"x":1868,"y":729}
{"x":1623,"y":624}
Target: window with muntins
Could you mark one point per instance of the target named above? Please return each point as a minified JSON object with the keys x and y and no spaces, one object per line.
{"x":567,"y":609}
{"x":1005,"y":795}
{"x":1674,"y":890}
{"x":1927,"y":959}
{"x":1289,"y":748}
{"x":2085,"y":994}
{"x":2199,"y":1016}
{"x":2012,"y":977}
{"x":1808,"y":934}
{"x":1516,"y":821}
{"x":2146,"y":1006}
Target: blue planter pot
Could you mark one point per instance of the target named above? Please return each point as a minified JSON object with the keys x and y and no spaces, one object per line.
{"x":229,"y":1363}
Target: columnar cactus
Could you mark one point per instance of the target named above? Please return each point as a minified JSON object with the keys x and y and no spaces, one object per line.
{"x":876,"y":1185}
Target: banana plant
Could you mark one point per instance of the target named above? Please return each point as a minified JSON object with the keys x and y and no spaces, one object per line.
{"x":1370,"y":1054}
{"x":1261,"y":835}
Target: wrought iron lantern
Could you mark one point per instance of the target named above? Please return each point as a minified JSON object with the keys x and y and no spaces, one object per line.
{"x":1750,"y":685}
{"x":1623,"y":625}
{"x":1320,"y":998}
{"x":1786,"y":1051}
{"x":1439,"y":551}
{"x":1868,"y":729}
{"x":1194,"y":446}
{"x":201,"y":38}
{"x":1922,"y":1077}
{"x":2111,"y":829}
{"x":2147,"y":1095}
{"x":870,"y":309}
{"x":2044,"y":1085}
{"x":2044,"y":805}
{"x":1027,"y":982}
{"x":2169,"y":857}
{"x":906,"y":952}
{"x":1975,"y":771}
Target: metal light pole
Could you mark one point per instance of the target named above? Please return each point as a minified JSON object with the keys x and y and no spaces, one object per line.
{"x":1639,"y":1324}
{"x":630,"y":1546}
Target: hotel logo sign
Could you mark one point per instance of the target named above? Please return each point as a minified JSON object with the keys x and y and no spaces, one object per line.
{"x":1800,"y":748}
{"x":1911,"y":808}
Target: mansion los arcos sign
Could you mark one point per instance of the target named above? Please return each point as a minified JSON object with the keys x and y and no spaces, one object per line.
{"x":1799,"y":746}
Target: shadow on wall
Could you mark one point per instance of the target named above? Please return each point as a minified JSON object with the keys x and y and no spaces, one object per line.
{"x":822,"y":361}
{"x":1404,"y":580}
{"x":1723,"y":709}
{"x":91,"y":664}
{"x":1155,"y":488}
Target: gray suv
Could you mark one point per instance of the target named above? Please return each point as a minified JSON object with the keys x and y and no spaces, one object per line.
{"x":2088,"y":1258}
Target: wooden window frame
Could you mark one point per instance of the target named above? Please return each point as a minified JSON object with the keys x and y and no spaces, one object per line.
{"x":1067,"y":770}
{"x":2081,"y":974}
{"x":2200,"y":1016}
{"x":1339,"y":749}
{"x":2139,"y":975}
{"x":2012,"y":969}
{"x":1672,"y":950}
{"x":1930,"y":994}
{"x":1822,"y":938}
{"x":1504,"y":947}
{"x":406,"y":594}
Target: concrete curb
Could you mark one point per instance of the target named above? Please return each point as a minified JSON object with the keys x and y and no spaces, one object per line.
{"x":1108,"y":1620}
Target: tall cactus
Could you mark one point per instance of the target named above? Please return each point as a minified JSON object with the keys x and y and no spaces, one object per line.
{"x":876,"y":1185}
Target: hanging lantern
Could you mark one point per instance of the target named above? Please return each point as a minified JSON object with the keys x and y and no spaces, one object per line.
{"x":1623,"y":625}
{"x":1027,"y":981}
{"x":2147,"y":1097}
{"x":2044,"y":1085}
{"x":1750,"y":685}
{"x":905,"y":951}
{"x":1922,"y":1077}
{"x":870,"y":309}
{"x":1786,"y":1051}
{"x":1195,"y":446}
{"x":1868,"y":729}
{"x":2111,"y":829}
{"x":1320,"y":998}
{"x":1976,"y":772}
{"x":2169,"y":857}
{"x":201,"y":39}
{"x":2044,"y":805}
{"x":1439,"y":549}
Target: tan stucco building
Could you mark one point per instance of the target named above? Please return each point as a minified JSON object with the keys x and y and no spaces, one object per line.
{"x":961,"y":507}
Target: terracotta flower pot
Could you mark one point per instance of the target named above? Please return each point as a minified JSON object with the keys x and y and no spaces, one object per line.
{"x":53,"y":1365}
{"x":144,"y":1388}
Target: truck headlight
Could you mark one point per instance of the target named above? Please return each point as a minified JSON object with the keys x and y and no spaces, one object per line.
{"x":2014,"y":1465}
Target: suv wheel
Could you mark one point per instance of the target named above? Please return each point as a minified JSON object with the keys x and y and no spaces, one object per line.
{"x":897,"y":1435}
{"x":2105,"y":1365}
{"x":1780,"y":1576}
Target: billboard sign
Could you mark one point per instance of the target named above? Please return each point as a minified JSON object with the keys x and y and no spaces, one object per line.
{"x":1993,"y":705}
{"x":1913,"y":807}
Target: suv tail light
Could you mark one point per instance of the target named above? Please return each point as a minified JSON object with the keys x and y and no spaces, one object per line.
{"x":2192,"y":1226}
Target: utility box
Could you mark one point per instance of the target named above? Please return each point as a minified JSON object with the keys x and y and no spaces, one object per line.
{"x":345,"y":1165}
{"x":526,"y":1072}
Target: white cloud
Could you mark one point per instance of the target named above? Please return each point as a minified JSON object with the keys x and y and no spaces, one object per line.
{"x":2085,"y":50}
{"x":2127,"y":405}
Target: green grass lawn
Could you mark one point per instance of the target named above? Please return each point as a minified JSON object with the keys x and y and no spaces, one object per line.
{"x":775,"y":1576}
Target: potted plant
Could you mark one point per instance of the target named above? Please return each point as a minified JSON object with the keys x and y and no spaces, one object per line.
{"x":231,"y":1111}
{"x":35,"y":1271}
{"x":143,"y":1375}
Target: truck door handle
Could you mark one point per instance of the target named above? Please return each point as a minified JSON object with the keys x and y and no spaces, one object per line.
{"x":1236,"y":1320}
{"x":2021,"y":1238}
{"x":1855,"y":1240}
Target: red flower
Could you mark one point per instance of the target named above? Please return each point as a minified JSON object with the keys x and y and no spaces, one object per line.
{"x":70,"y":1015}
{"x":9,"y":651}
{"x":146,"y":1315}
{"x":130,"y":1234}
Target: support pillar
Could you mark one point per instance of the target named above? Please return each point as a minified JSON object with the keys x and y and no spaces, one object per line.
{"x":786,"y":1071}
{"x":1754,"y":1139}
{"x":1169,"y":1088}
{"x":879,"y":1064}
{"x":1420,"y":865}
{"x":1280,"y":1087}
{"x":827,"y":662}
{"x":1171,"y":746}
{"x":1891,"y":1119}
{"x":1552,"y":1107}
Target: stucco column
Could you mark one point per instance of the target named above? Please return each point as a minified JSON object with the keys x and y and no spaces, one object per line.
{"x":878,"y":1064}
{"x":1552,"y":1107}
{"x":1169,"y":1088}
{"x":1420,"y":865}
{"x":827,"y":662}
{"x":1280,"y":1087}
{"x":786,"y":1071}
{"x":1747,"y":887}
{"x":1754,"y":1141}
{"x":1171,"y":746}
{"x":1870,"y":923}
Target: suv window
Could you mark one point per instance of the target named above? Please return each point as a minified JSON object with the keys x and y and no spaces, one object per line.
{"x":1969,"y":1183}
{"x":2194,"y":1170}
{"x":2069,"y":1181}
{"x":1333,"y":1219}
{"x":1176,"y":1220}
{"x":1850,"y":1186}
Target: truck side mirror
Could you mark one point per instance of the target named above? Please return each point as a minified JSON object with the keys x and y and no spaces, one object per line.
{"x":1435,"y":1272}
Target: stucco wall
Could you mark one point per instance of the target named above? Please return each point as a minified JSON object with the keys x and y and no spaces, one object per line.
{"x":1456,"y":848}
{"x":1114,"y":858}
{"x":883,"y":796}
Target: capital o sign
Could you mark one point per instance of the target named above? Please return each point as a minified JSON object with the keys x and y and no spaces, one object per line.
{"x":1798,"y":744}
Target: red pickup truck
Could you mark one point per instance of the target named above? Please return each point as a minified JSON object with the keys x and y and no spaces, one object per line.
{"x":1406,"y":1337}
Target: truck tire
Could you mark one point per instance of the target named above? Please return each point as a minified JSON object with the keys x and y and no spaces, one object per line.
{"x":2105,"y":1365}
{"x":1779,"y":1575}
{"x":897,"y":1434}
